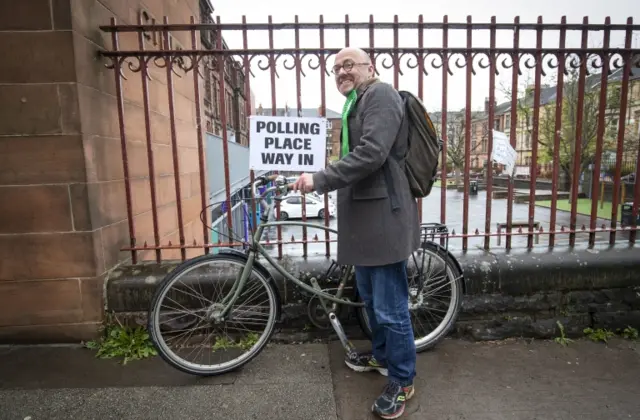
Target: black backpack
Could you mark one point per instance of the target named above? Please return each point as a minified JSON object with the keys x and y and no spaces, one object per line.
{"x":424,"y":148}
{"x":423,"y":152}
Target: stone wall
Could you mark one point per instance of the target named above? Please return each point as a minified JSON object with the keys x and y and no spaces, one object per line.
{"x":517,"y":294}
{"x":541,"y":184}
{"x":63,"y":207}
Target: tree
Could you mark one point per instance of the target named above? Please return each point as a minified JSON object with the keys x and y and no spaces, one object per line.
{"x":569,"y":121}
{"x":630,"y":149}
{"x":456,"y":127}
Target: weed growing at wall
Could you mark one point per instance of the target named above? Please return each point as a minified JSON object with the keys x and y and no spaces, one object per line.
{"x":604,"y":335}
{"x":630,"y":333}
{"x":245,"y":343}
{"x":598,"y":334}
{"x":562,"y":340}
{"x":129,"y":343}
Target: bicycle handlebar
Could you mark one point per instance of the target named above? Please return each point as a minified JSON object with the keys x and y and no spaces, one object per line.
{"x":281,"y":187}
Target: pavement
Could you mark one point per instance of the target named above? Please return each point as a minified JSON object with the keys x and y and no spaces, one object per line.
{"x":518,"y":380}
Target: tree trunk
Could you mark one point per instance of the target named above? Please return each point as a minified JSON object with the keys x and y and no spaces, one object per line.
{"x":457,"y":176}
{"x":568,"y":183}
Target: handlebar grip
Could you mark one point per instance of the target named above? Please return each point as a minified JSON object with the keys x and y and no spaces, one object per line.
{"x":262,"y":180}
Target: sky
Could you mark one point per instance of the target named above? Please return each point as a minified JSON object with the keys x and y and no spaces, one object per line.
{"x":284,"y":11}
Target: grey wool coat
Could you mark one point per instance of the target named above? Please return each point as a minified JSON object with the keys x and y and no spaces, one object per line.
{"x":370,"y":231}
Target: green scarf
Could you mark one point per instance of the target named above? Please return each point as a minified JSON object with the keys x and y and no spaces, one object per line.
{"x":346,"y":110}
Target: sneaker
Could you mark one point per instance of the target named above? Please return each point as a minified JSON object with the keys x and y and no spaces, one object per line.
{"x":366,"y":363}
{"x":390,"y":404}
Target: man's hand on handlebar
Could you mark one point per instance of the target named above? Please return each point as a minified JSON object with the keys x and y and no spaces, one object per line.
{"x":304,"y":183}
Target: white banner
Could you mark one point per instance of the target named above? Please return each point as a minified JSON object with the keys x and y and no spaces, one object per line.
{"x":287,"y":143}
{"x":503,"y":153}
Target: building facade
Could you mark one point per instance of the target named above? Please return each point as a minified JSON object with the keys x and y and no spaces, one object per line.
{"x":546,"y":122}
{"x":65,"y":207}
{"x":235,"y":97}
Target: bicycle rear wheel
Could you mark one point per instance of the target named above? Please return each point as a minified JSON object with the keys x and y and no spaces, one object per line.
{"x":181,"y":321}
{"x":438,"y":303}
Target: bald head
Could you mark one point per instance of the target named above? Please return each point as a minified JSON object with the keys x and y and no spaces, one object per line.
{"x":351,"y":67}
{"x":354,"y":52}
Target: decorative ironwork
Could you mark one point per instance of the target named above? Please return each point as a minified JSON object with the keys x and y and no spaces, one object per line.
{"x":237,"y":65}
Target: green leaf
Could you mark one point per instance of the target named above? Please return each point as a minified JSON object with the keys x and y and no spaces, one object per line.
{"x":123,"y":342}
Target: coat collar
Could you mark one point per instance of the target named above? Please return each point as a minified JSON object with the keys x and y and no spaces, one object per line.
{"x":366,"y":85}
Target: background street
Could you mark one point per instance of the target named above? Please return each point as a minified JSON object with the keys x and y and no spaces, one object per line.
{"x":477,"y":216}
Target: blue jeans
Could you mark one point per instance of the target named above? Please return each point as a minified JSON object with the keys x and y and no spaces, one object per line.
{"x":385,"y":292}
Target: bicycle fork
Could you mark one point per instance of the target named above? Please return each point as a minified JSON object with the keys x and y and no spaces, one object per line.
{"x":348,"y":347}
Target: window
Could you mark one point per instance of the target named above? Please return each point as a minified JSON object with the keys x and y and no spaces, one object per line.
{"x":507,"y":122}
{"x":294,"y":200}
{"x":243,"y":122}
{"x":229,"y":110}
{"x":312,"y":199}
{"x":207,"y":85}
{"x":216,"y":98}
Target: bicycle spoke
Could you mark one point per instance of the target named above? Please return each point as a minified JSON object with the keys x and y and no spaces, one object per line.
{"x":189,"y":333}
{"x":435,"y":295}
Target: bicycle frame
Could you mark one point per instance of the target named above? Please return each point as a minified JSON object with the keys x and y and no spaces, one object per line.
{"x":256,"y":249}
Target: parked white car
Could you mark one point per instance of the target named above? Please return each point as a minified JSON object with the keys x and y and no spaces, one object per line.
{"x":291,"y":207}
{"x":292,"y":179}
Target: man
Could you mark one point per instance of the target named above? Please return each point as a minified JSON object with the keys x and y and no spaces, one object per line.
{"x":377,"y":220}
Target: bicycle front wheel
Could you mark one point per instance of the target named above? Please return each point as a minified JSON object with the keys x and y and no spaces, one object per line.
{"x":435,"y":296}
{"x":182,"y":321}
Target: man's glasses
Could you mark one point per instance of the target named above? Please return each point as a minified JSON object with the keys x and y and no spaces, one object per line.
{"x":347,"y":66}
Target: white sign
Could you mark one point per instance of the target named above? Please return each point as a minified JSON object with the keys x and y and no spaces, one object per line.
{"x":503,"y":153}
{"x":287,"y":143}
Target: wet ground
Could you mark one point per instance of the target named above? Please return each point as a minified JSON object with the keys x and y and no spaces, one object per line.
{"x":477,"y":216}
{"x":517,"y":380}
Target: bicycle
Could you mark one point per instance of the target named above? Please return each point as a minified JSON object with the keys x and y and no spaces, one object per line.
{"x":254,"y":325}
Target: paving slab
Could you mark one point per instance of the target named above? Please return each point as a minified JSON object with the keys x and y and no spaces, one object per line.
{"x":283,"y":382}
{"x":508,"y":380}
{"x":459,"y":380}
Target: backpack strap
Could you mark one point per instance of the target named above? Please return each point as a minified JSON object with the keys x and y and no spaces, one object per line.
{"x":393,"y":198}
{"x":387,"y":171}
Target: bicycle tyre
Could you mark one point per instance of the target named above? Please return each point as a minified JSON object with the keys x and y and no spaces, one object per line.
{"x":455,"y":276}
{"x":171,"y":278}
